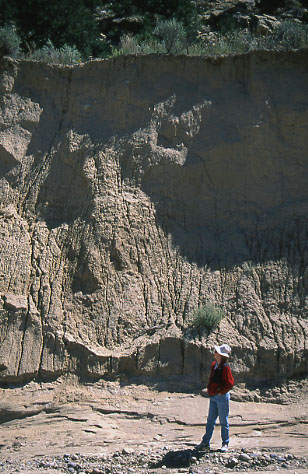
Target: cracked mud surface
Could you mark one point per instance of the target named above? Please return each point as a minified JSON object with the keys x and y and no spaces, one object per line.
{"x":41,"y":424}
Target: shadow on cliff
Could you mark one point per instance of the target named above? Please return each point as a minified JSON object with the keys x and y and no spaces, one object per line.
{"x":216,"y":226}
{"x":231,"y":201}
{"x":65,"y":195}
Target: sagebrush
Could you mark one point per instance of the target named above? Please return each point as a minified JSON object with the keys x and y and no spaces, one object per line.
{"x":172,"y":35}
{"x":207,"y":316}
{"x":66,"y":55}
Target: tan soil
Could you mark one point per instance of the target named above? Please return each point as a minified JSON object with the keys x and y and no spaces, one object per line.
{"x":67,"y":418}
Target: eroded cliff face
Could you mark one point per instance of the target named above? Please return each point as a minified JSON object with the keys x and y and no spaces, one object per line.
{"x":134,"y":190}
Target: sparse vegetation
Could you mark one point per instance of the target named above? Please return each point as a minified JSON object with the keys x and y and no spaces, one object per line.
{"x":49,"y":54}
{"x":53,"y":34}
{"x":130,"y":45}
{"x":207,"y":316}
{"x":288,"y":35}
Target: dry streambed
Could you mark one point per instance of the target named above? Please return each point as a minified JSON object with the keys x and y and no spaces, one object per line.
{"x":108,"y":428}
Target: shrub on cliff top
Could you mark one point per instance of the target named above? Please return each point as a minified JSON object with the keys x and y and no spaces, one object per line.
{"x":172,"y":34}
{"x":49,"y":54}
{"x":133,"y":45}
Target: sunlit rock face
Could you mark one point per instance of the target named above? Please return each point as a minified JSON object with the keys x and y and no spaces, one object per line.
{"x":136,"y":189}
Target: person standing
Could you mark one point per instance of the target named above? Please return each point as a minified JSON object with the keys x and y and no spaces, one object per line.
{"x":220,"y":383}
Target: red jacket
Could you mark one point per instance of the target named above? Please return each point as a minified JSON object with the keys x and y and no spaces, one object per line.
{"x":221,"y":379}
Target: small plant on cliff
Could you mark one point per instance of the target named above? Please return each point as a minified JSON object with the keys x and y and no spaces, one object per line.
{"x":9,"y":42}
{"x":132,"y":45}
{"x":207,"y":316}
{"x":172,"y":35}
{"x":49,"y":54}
{"x":128,"y":45}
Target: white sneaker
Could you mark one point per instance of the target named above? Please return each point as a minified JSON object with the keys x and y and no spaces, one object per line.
{"x":224,"y":448}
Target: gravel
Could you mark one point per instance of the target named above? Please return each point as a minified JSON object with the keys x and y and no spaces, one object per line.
{"x":184,"y":461}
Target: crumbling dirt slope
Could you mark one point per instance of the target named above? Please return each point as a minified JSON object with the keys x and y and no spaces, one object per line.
{"x":135,"y":189}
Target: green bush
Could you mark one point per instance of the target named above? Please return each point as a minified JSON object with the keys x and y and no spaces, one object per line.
{"x":49,"y":54}
{"x":291,"y":35}
{"x":69,"y":55}
{"x":9,"y":42}
{"x":207,"y":316}
{"x":172,"y":35}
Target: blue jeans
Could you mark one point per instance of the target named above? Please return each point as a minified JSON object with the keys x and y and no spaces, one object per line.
{"x":219,"y":406}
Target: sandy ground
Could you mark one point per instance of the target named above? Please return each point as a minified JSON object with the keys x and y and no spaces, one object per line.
{"x":65,"y":417}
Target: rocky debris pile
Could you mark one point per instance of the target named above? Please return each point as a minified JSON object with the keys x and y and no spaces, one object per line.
{"x":260,"y":461}
{"x":128,"y":461}
{"x":235,"y":460}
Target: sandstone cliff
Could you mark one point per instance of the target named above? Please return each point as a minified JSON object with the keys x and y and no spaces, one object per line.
{"x":134,"y":190}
